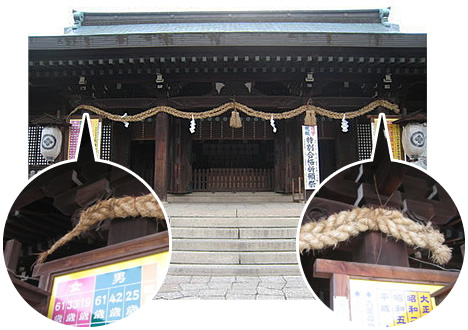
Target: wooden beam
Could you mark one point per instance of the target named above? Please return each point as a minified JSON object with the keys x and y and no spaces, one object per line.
{"x":366,"y":195}
{"x":81,"y":196}
{"x":121,"y":230}
{"x":27,"y":197}
{"x":319,"y":208}
{"x":324,"y":268}
{"x":260,"y":102}
{"x":100,"y":257}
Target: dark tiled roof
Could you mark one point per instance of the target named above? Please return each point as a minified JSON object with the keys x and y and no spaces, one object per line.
{"x":352,"y":28}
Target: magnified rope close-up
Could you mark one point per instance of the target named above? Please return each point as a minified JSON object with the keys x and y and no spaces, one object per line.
{"x":112,"y":208}
{"x":340,"y":227}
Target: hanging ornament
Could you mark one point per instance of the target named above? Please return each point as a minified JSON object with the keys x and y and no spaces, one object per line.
{"x":126,"y":123}
{"x":344,"y":124}
{"x":272,"y":123}
{"x":413,"y":139}
{"x":51,"y":142}
{"x":309,"y":119}
{"x":192,"y":125}
{"x":235,"y":120}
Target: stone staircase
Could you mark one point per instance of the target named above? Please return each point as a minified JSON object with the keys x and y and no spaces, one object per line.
{"x":235,"y":243}
{"x":230,"y":197}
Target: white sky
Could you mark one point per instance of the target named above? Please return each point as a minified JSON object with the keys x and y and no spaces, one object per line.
{"x":52,"y":19}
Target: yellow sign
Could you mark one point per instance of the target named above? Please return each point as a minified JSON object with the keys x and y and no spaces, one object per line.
{"x":103,"y":295}
{"x":74,"y":134}
{"x":384,"y":303}
{"x":394,"y":132}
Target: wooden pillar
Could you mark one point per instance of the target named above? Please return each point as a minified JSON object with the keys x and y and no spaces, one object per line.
{"x":180,"y":167}
{"x":161,"y":161}
{"x":377,"y":249}
{"x":11,"y":254}
{"x":64,"y":149}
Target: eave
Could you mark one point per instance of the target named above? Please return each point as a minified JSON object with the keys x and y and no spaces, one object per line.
{"x":240,"y":39}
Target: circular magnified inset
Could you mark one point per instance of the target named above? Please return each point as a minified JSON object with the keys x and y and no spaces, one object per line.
{"x":381,"y":243}
{"x":86,"y":243}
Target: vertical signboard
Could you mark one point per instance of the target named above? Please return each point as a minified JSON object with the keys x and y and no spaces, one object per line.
{"x":311,"y":157}
{"x":74,"y":134}
{"x":106,"y":294}
{"x":387,"y":304}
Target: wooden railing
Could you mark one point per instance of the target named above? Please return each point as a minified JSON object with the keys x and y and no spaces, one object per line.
{"x":300,"y":195}
{"x":233,"y":179}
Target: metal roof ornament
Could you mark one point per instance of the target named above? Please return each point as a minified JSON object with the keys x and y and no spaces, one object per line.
{"x":78,"y":17}
{"x":383,"y":14}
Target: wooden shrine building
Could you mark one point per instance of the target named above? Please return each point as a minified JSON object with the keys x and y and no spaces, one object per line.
{"x":271,"y":61}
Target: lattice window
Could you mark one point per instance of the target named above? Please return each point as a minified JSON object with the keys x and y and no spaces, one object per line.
{"x":34,"y":147}
{"x":106,"y":141}
{"x":364,"y":137}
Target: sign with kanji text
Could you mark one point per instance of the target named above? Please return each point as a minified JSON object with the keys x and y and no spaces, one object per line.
{"x":74,"y":134}
{"x":394,"y":134}
{"x":385,"y":303}
{"x":311,"y":157}
{"x":103,"y":295}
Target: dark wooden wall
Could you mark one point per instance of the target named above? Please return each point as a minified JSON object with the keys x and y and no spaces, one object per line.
{"x":288,"y":153}
{"x":180,"y":152}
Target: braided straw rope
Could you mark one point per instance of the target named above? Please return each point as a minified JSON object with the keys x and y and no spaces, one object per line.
{"x":125,"y":207}
{"x":240,"y":107}
{"x":341,"y":226}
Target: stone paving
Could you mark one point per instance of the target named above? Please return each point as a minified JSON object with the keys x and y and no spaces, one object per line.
{"x":234,"y":288}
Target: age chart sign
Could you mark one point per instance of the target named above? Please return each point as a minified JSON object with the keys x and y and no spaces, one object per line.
{"x":106,"y":294}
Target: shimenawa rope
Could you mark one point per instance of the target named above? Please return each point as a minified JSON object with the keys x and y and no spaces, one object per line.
{"x":239,"y":107}
{"x":341,"y":226}
{"x":124,"y":207}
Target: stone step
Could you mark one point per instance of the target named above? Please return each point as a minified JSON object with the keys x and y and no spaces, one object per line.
{"x":235,"y":270}
{"x":244,"y":209}
{"x":233,"y":233}
{"x":230,"y":197}
{"x":234,"y":222}
{"x":202,"y":232}
{"x":201,"y":244}
{"x":268,"y":232}
{"x":233,"y":258}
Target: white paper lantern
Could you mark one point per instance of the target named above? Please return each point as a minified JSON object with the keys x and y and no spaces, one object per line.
{"x":51,"y":142}
{"x":413,"y":139}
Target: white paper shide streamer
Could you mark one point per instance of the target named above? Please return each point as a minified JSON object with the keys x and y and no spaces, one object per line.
{"x":126,"y":123}
{"x":272,"y":123}
{"x":344,"y":124}
{"x":192,"y":125}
